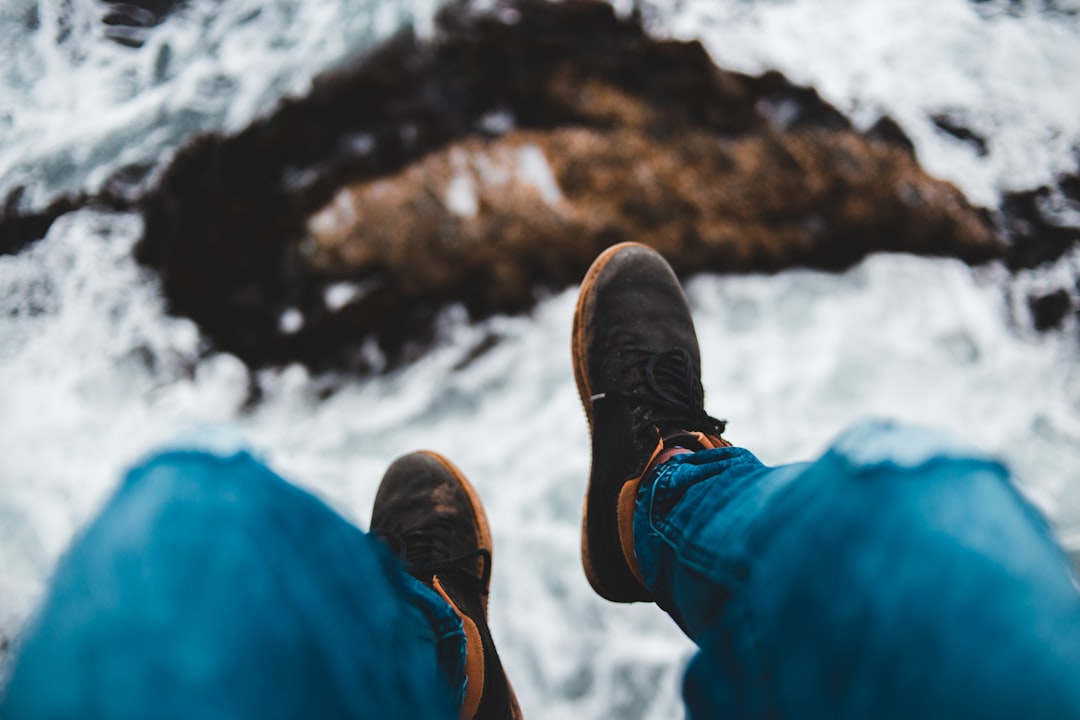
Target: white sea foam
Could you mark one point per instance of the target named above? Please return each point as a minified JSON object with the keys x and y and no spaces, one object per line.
{"x":93,"y":374}
{"x":1009,"y":76}
{"x":75,"y":106}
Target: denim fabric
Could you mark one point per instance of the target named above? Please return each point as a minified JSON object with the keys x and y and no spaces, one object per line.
{"x":210,"y":588}
{"x":899,"y":576}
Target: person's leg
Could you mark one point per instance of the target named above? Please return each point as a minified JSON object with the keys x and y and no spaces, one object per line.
{"x":890,"y":579}
{"x":209,"y":587}
{"x":895,"y":577}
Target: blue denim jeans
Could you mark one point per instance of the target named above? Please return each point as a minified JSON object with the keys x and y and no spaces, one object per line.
{"x":894,"y":577}
{"x":209,"y":587}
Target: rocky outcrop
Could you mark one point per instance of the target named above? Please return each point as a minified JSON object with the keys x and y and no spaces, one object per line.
{"x":495,"y":160}
{"x":487,"y":220}
{"x":490,"y":164}
{"x":1041,"y":223}
{"x":1042,"y":227}
{"x":20,"y":228}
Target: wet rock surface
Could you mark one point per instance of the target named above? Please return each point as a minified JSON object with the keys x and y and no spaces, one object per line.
{"x":493,"y":219}
{"x":956,"y":129}
{"x":19,"y":228}
{"x":639,"y":140}
{"x":490,"y":164}
{"x":1049,"y":311}
{"x":128,"y":21}
{"x":1043,"y":226}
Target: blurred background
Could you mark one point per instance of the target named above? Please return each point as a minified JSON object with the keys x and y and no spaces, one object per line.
{"x":333,"y":231}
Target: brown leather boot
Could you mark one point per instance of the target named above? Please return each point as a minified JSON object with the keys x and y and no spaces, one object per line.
{"x":638,"y":371}
{"x":429,"y":514}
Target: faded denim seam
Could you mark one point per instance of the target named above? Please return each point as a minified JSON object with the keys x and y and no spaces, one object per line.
{"x":447,"y":629}
{"x":666,"y":486}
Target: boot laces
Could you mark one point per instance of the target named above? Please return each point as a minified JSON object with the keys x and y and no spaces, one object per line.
{"x":425,"y":550}
{"x":668,"y":395}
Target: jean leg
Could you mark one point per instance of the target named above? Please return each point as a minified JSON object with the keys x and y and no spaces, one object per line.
{"x":209,"y":587}
{"x":895,"y":577}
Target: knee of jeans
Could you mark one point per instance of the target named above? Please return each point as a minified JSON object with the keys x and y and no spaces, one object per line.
{"x":954,"y":529}
{"x":972,"y":501}
{"x":949,"y":483}
{"x":196,"y":473}
{"x":184,"y":485}
{"x":885,"y":442}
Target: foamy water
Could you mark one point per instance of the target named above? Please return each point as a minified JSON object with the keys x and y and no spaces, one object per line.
{"x":75,"y":106}
{"x":93,"y":374}
{"x":1008,"y":76}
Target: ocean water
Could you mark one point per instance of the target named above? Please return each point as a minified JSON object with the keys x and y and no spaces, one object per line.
{"x":94,"y":374}
{"x":75,"y":106}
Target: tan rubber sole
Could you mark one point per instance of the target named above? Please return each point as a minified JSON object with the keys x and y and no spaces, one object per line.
{"x":578,"y":349}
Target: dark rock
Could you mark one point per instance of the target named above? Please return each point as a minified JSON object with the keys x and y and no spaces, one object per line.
{"x":888,"y":131}
{"x":138,"y":13}
{"x":1069,"y":185}
{"x":1019,"y":8}
{"x":790,"y":107}
{"x":1038,"y":230}
{"x":949,"y":126}
{"x":533,"y":208}
{"x":1048,"y":312}
{"x":127,"y":21}
{"x":20,"y":228}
